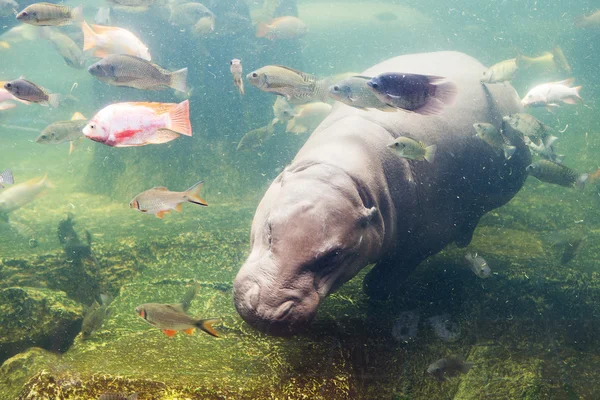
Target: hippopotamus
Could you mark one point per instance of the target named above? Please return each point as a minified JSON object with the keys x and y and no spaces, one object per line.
{"x":347,"y":201}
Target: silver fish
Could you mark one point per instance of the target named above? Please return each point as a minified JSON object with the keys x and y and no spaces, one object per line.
{"x":160,"y":200}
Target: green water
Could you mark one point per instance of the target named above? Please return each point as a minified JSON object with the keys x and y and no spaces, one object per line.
{"x":530,"y":330}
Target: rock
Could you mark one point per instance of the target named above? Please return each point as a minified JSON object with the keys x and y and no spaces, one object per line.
{"x":37,"y":317}
{"x":17,"y":370}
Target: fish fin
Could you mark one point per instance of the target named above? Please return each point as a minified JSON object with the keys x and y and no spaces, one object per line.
{"x":207,"y":326}
{"x":566,"y":82}
{"x":77,"y":116}
{"x":7,"y":106}
{"x":177,"y":207}
{"x":101,"y":53}
{"x":77,"y":14}
{"x":432,"y":107}
{"x":559,"y":158}
{"x":466,"y":367}
{"x":580,"y":184}
{"x":192,"y":194}
{"x":290,"y":125}
{"x":44,"y":181}
{"x":178,"y":80}
{"x":367,"y":78}
{"x":509,"y":151}
{"x":430,"y":153}
{"x":262,"y":30}
{"x":162,"y":136}
{"x":161,"y":188}
{"x":446,"y":92}
{"x":180,"y":118}
{"x":161,"y":214}
{"x":307,"y":77}
{"x":100,"y":29}
{"x":190,"y":331}
{"x":89,"y":36}
{"x":7,"y":176}
{"x":577,"y":89}
{"x":71,"y":147}
{"x":169,"y":332}
{"x":550,"y":141}
{"x":54,"y":99}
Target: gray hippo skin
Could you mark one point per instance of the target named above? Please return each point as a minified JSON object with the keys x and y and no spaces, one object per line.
{"x":347,"y":201}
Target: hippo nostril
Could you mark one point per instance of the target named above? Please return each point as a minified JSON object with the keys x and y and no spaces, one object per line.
{"x":284,"y":310}
{"x":253,"y":296}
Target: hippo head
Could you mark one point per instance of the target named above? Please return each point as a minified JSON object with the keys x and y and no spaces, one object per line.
{"x":313,"y":231}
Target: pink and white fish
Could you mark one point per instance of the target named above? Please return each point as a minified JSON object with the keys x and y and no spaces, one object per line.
{"x":139,"y":124}
{"x":551,"y":94}
{"x":282,"y":28}
{"x":107,"y":40}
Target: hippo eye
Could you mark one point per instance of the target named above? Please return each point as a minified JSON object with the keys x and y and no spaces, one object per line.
{"x":254,"y":75}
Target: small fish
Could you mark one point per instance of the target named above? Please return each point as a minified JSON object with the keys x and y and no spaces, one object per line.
{"x":204,"y":26}
{"x":136,"y":72}
{"x":448,"y":367}
{"x":413,"y":149}
{"x":139,"y":124}
{"x":282,"y":28}
{"x":255,"y":138}
{"x":6,"y":177}
{"x":501,"y":72}
{"x":95,"y":316}
{"x":551,"y":94}
{"x":19,"y":195}
{"x":102,"y":17}
{"x":423,"y":94}
{"x":48,"y":14}
{"x":118,"y":396}
{"x":282,"y":110}
{"x":294,"y":85}
{"x":527,"y":125}
{"x":107,"y":40}
{"x":354,"y":92}
{"x":478,"y":265}
{"x":170,"y":318}
{"x":160,"y":200}
{"x":29,"y":91}
{"x":589,"y":21}
{"x":558,"y":174}
{"x":560,"y":61}
{"x":492,"y":136}
{"x":19,"y":34}
{"x":64,"y":131}
{"x":188,"y":14}
{"x":539,"y":63}
{"x":24,"y":231}
{"x":544,"y":149}
{"x":307,"y":117}
{"x":7,"y":7}
{"x":65,"y":46}
{"x":236,"y":72}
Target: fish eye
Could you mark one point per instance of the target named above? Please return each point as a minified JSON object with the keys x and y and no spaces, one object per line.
{"x":254,"y":75}
{"x":24,"y":13}
{"x":336,"y":88}
{"x":397,"y":144}
{"x":44,"y":137}
{"x":374,"y":85}
{"x":8,"y":85}
{"x":286,"y":113}
{"x":92,"y":126}
{"x":230,"y":62}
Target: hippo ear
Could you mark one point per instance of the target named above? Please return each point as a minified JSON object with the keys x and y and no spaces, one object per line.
{"x":368,"y":216}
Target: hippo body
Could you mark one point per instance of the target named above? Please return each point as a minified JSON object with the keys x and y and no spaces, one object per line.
{"x":347,"y":201}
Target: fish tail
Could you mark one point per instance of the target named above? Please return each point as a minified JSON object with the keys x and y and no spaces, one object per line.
{"x":579,"y":21}
{"x":44,"y":181}
{"x":192,"y":194}
{"x":7,"y":177}
{"x":466,"y":367}
{"x":4,"y":45}
{"x":290,"y":125}
{"x":241,"y":86}
{"x":509,"y":151}
{"x":446,"y":92}
{"x":262,"y":30}
{"x":180,"y":118}
{"x":430,"y":153}
{"x":580,"y":184}
{"x":522,"y":61}
{"x":77,"y":14}
{"x":207,"y":326}
{"x":54,"y":99}
{"x":89,"y":36}
{"x":576,"y":90}
{"x":178,"y":80}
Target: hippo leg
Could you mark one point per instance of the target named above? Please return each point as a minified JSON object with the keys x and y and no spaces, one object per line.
{"x":383,"y":280}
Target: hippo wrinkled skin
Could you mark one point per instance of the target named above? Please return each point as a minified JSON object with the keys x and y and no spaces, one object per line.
{"x":347,"y":201}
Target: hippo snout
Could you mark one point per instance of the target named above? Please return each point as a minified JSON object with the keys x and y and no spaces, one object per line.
{"x":274,"y":312}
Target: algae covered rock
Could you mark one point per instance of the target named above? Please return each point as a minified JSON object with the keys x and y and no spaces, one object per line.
{"x":36,"y":317}
{"x":17,"y":370}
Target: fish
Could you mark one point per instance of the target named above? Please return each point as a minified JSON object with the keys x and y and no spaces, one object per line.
{"x":354,"y":92}
{"x":189,"y":13}
{"x":95,"y":316}
{"x":19,"y":195}
{"x":131,"y":71}
{"x":588,"y":21}
{"x":235,"y":66}
{"x":551,"y":94}
{"x":107,"y":40}
{"x":7,"y":7}
{"x":478,"y":265}
{"x":544,"y":149}
{"x":542,"y":62}
{"x":413,"y":149}
{"x":171,"y":318}
{"x":160,"y":201}
{"x":118,"y":396}
{"x":294,"y":85}
{"x":501,"y":72}
{"x":527,"y":125}
{"x":29,"y":91}
{"x":102,"y":17}
{"x":560,"y":61}
{"x":24,"y":231}
{"x":282,"y":110}
{"x":287,"y":27}
{"x":307,"y":117}
{"x":64,"y":131}
{"x":423,"y":94}
{"x":19,"y":34}
{"x":448,"y":367}
{"x":139,"y":124}
{"x":255,"y":138}
{"x":6,"y":177}
{"x":558,"y":174}
{"x":65,"y":46}
{"x":204,"y":26}
{"x":495,"y":138}
{"x":48,"y":14}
